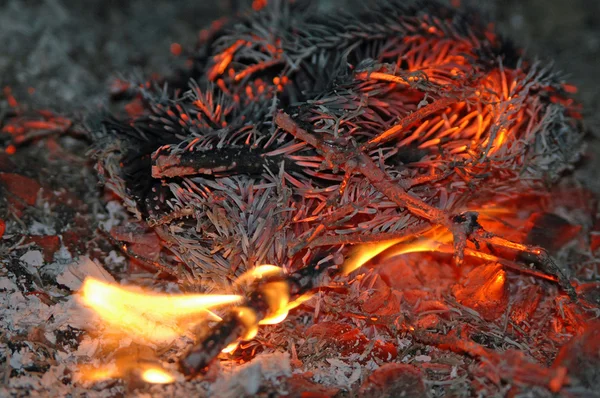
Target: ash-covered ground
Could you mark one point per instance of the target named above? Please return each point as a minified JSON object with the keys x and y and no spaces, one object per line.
{"x":61,"y":55}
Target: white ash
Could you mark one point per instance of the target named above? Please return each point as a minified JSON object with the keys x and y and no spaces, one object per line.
{"x":62,"y":258}
{"x":21,"y":358}
{"x":116,"y":215}
{"x":338,"y":373}
{"x":22,"y":314}
{"x":423,"y":358}
{"x":33,"y":259}
{"x":245,"y":380}
{"x":114,"y":258}
{"x":38,"y":228}
{"x":403,"y":343}
{"x":75,"y":273}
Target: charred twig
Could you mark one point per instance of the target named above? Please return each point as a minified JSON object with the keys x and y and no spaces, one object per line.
{"x":356,"y":160}
{"x":356,"y":239}
{"x":241,"y":322}
{"x":214,"y":162}
{"x":463,"y":226}
{"x":159,"y":265}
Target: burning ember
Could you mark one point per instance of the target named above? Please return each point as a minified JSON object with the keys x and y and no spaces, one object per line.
{"x":400,"y":168}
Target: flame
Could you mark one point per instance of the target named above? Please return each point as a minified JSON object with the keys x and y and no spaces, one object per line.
{"x":429,"y":241}
{"x":91,"y":374}
{"x":152,"y":317}
{"x":425,"y":244}
{"x":149,"y":315}
{"x":436,"y":239}
{"x":365,"y":253}
{"x":231,"y":347}
{"x":259,"y":273}
{"x":148,"y":372}
{"x":157,"y":375}
{"x":275,"y":291}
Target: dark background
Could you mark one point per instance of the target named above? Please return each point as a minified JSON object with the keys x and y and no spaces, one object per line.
{"x":67,"y":50}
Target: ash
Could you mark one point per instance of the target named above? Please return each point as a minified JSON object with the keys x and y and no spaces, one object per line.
{"x":50,"y":243}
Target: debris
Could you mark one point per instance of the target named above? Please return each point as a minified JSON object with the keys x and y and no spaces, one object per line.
{"x":394,"y":380}
{"x":75,"y":273}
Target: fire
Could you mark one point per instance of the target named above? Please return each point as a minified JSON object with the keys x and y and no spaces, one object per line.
{"x":430,"y":241}
{"x":276,"y":293}
{"x":157,"y":376}
{"x":150,"y":317}
{"x":484,"y":290}
{"x":365,"y":253}
{"x":154,"y":317}
{"x":148,"y":372}
{"x":147,"y":315}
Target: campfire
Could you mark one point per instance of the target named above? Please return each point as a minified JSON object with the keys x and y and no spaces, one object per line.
{"x":374,"y":203}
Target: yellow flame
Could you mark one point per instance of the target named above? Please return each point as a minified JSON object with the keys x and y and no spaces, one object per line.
{"x":276,"y":318}
{"x":272,"y":320}
{"x":231,"y":347}
{"x":429,"y":241}
{"x":283,"y":313}
{"x":156,"y":375}
{"x":91,"y":374}
{"x":259,"y":273}
{"x":436,"y":239}
{"x":275,"y":291}
{"x":365,"y":253}
{"x":149,"y":315}
{"x":149,"y":372}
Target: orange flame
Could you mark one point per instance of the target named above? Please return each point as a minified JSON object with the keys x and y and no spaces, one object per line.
{"x":147,"y":315}
{"x":429,"y":241}
{"x":148,"y":372}
{"x":436,"y":239}
{"x":365,"y":253}
{"x":275,"y":293}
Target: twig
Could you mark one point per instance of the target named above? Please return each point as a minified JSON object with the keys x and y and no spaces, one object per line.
{"x":241,"y":320}
{"x":463,"y":226}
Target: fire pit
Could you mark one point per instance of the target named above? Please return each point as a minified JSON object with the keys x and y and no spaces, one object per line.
{"x":374,"y":203}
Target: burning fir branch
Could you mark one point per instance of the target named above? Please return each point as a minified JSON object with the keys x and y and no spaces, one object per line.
{"x":293,"y":132}
{"x":265,"y":295}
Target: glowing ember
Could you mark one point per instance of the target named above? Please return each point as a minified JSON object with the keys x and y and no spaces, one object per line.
{"x":484,"y":290}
